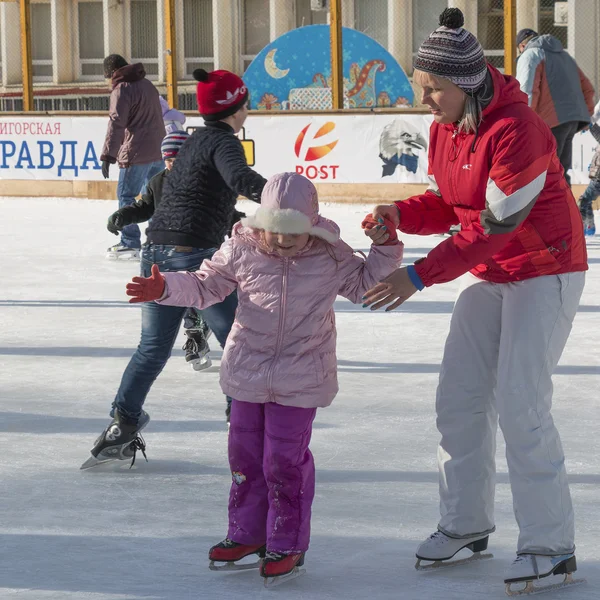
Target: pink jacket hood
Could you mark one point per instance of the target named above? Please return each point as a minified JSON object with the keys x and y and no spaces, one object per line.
{"x":290,"y":204}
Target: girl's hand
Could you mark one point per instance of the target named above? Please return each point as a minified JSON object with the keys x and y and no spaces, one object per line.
{"x":396,"y":288}
{"x":146,"y":289}
{"x":381,"y":231}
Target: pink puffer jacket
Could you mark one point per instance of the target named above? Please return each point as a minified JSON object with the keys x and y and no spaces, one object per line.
{"x":282,"y":344}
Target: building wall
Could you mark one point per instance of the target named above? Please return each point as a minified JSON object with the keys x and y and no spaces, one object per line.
{"x":227,"y":34}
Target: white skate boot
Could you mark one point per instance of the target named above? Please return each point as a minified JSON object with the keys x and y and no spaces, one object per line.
{"x":526,"y":568}
{"x":439,"y":548}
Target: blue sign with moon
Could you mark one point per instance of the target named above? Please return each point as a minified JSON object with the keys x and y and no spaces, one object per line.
{"x":294,"y":72}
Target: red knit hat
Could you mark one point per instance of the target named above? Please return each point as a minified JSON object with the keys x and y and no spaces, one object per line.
{"x":220,"y":94}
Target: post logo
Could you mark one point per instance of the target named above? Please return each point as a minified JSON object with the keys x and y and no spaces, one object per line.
{"x":310,"y":148}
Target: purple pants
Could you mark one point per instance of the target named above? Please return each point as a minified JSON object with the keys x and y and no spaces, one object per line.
{"x":273,"y":475}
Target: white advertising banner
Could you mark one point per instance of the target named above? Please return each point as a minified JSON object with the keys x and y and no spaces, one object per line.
{"x":371,"y":148}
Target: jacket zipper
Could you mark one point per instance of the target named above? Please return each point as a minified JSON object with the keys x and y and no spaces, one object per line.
{"x":456,"y":152}
{"x":284,"y":280}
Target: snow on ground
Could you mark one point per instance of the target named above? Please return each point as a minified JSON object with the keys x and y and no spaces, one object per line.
{"x":118,"y":534}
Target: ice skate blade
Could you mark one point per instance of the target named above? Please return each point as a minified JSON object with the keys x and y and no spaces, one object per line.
{"x":530,"y":589}
{"x":442,"y":564}
{"x":92,"y":461}
{"x":272,"y":582}
{"x":121,"y":256}
{"x":231,"y":566}
{"x":202,"y":364}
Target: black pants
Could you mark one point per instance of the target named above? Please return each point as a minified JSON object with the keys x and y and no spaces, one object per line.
{"x":564,"y":144}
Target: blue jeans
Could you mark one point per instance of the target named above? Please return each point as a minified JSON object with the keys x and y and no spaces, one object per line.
{"x":132,"y":182}
{"x":592,"y":191}
{"x":160,"y":326}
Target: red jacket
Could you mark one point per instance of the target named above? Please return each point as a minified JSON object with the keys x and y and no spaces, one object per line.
{"x":506,"y":188}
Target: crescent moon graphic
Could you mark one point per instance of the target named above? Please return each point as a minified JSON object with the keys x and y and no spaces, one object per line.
{"x":271,"y":68}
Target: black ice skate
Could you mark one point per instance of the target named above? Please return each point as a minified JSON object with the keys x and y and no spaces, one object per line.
{"x":119,"y":441}
{"x":197,"y":350}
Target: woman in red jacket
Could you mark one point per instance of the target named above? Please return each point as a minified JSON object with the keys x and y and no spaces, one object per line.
{"x":522,"y":258}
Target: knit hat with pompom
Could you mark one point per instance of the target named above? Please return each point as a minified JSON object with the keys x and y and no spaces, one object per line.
{"x":219,"y":94}
{"x":454,"y":53}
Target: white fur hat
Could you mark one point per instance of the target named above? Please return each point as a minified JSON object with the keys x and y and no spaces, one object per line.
{"x":289,"y":204}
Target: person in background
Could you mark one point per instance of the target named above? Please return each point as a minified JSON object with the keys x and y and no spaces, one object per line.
{"x":174,"y":120}
{"x":197,"y":331}
{"x":557,"y":89}
{"x":133,"y":138}
{"x":593,"y":189}
{"x":188,"y":226}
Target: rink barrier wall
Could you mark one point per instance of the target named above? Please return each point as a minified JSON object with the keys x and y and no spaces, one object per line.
{"x":352,"y":155}
{"x":345,"y":193}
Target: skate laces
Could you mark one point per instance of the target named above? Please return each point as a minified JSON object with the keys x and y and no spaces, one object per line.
{"x":138,"y":444}
{"x":191,"y":346}
{"x":274,"y":555}
{"x":438,"y":537}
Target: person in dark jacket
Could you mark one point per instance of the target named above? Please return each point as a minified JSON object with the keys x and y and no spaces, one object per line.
{"x":188,"y":225}
{"x":133,"y":138}
{"x":196,"y":329}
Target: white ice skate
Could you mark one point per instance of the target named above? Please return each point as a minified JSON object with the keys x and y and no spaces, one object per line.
{"x":439,"y":548}
{"x":527,"y":568}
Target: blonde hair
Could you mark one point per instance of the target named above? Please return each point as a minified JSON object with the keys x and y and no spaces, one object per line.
{"x":472,"y":115}
{"x":473,"y":110}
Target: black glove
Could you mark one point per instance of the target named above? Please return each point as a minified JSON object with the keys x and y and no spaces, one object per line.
{"x":105,"y":168}
{"x":115,"y":223}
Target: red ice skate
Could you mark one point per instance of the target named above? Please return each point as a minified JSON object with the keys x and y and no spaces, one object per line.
{"x":229,"y":552}
{"x":277,"y":568}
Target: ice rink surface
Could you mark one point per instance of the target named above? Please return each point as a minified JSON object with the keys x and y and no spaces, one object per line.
{"x":112,"y":533}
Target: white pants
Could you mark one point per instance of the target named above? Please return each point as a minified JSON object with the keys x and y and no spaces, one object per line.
{"x":504,"y":343}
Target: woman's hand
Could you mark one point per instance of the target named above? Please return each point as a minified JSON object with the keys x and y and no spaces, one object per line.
{"x":146,"y":289}
{"x":395,"y":288}
{"x":381,"y":231}
{"x":387,"y":211}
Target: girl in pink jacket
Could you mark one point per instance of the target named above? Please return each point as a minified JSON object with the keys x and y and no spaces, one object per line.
{"x":288,"y":264}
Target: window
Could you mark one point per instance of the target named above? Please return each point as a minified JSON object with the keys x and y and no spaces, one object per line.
{"x":371,"y":17}
{"x":254,"y":15}
{"x":144,"y":34}
{"x":490,"y":30}
{"x":90,"y":39}
{"x":546,"y":22}
{"x":41,"y":41}
{"x":198,"y":36}
{"x":305,"y":16}
{"x":425,"y":19}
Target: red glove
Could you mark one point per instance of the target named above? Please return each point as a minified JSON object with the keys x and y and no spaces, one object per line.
{"x":146,"y":289}
{"x":369,"y":222}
